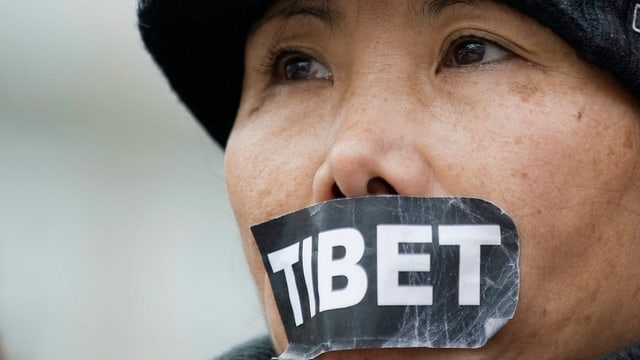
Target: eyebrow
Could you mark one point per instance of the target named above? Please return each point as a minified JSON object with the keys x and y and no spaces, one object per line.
{"x":433,"y":8}
{"x":325,"y":10}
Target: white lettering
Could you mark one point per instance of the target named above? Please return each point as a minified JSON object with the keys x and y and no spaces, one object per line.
{"x":283,"y":260}
{"x":391,"y":263}
{"x":328,"y":268}
{"x":470,"y":238}
{"x":308,"y":274}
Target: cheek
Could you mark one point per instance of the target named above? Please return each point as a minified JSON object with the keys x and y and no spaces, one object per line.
{"x":558,"y":158}
{"x":267,"y":179}
{"x":269,"y":168}
{"x":571,"y":156}
{"x":540,"y":145}
{"x":565,"y":170}
{"x":270,"y":160}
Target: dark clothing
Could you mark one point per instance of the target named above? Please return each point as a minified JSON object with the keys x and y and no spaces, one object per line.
{"x":631,"y":352}
{"x":256,"y":349}
{"x":261,"y":349}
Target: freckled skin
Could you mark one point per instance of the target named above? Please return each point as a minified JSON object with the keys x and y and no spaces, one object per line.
{"x":549,"y":138}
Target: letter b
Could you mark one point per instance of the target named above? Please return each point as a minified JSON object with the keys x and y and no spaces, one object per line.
{"x":328,"y":268}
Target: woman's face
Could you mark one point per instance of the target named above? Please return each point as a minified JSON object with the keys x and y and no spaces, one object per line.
{"x":451,"y":98}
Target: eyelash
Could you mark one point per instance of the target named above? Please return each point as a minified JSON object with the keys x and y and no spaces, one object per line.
{"x":446,"y":54}
{"x":276,"y":53}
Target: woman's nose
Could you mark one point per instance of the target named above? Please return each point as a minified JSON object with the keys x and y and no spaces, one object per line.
{"x":377,"y":149}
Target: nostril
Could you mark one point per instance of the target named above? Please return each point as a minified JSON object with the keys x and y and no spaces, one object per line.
{"x":375,"y":186}
{"x":379,"y":186}
{"x":337,"y":193}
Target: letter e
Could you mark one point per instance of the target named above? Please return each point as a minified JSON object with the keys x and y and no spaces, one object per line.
{"x":391,"y":263}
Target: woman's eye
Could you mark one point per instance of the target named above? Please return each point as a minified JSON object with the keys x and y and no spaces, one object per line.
{"x":299,"y":67}
{"x":474,"y":51}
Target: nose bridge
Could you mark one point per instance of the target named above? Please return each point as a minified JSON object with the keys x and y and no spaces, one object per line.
{"x":376,"y":93}
{"x":364,"y":134}
{"x":363,"y":113}
{"x":381,"y":79}
{"x":383,"y":76}
{"x":372,"y":150}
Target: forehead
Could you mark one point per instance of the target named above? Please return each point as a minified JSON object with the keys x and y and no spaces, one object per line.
{"x":426,"y":6}
{"x":343,"y":19}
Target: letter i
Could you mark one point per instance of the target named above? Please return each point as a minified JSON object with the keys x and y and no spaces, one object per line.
{"x":307,"y":267}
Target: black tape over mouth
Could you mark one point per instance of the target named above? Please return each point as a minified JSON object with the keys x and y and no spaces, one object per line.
{"x":391,"y":272}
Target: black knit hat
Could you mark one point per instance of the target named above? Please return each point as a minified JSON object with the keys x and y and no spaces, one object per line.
{"x":199,"y":45}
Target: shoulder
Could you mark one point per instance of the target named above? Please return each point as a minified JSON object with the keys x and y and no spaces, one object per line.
{"x":261,"y":349}
{"x":631,"y":352}
{"x":256,"y":349}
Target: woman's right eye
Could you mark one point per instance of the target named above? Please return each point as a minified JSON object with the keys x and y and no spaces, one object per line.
{"x":300,"y":67}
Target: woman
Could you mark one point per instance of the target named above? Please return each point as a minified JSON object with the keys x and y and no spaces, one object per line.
{"x":529,"y":105}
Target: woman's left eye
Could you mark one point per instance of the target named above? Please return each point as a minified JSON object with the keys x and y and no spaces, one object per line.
{"x":469,"y":51}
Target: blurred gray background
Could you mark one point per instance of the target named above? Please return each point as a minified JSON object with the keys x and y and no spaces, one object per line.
{"x":116,"y":237}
